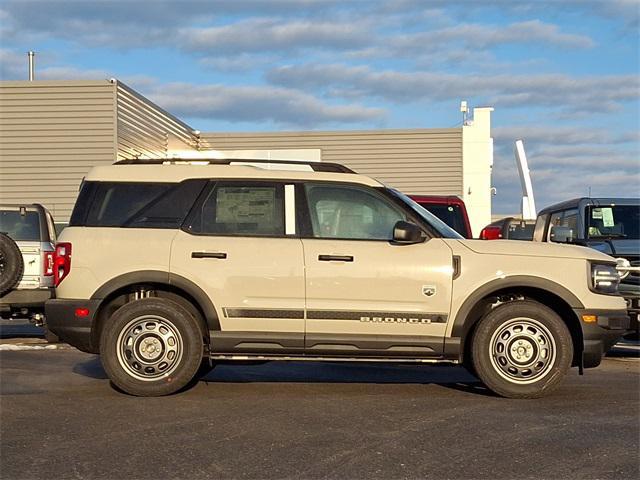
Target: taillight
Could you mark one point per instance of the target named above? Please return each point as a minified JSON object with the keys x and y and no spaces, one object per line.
{"x":491,"y":233}
{"x":47,"y":268}
{"x":61,"y":262}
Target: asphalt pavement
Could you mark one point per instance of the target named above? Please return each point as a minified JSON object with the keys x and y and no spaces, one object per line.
{"x":60,"y":418}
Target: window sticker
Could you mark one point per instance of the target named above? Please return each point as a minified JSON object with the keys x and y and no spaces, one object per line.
{"x":607,"y":217}
{"x":596,"y":213}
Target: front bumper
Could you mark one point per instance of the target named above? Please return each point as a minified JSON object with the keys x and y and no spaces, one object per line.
{"x":600,"y":336}
{"x":32,"y":299}
{"x":61,"y":319}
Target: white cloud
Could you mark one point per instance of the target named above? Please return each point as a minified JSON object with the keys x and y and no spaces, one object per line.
{"x":259,"y":104}
{"x":584,"y":93}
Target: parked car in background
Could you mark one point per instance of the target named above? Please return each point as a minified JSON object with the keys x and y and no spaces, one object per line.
{"x":27,"y":245}
{"x":450,"y":209}
{"x":609,"y":225}
{"x":510,"y":228}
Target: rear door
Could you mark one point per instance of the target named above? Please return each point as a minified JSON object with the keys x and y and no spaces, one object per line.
{"x":366,"y":295}
{"x":240,"y":246}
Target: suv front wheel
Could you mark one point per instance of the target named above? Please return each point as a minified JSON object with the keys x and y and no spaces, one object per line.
{"x":521,"y":349}
{"x":151,"y":347}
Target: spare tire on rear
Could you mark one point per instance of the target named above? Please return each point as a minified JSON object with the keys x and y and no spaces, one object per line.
{"x":11,"y":264}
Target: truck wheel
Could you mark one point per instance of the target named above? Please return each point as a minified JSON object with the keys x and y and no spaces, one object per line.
{"x":521,"y":350}
{"x":151,"y":347}
{"x":11,"y":264}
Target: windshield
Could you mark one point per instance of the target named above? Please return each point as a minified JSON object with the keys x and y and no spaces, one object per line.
{"x":615,"y":221}
{"x":449,"y":214}
{"x":20,"y":227}
{"x":438,"y":225}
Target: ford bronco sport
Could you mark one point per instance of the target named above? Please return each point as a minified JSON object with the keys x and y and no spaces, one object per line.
{"x":167,"y":267}
{"x":27,"y":241}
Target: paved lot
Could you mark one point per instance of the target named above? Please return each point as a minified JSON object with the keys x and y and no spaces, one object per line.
{"x":61,"y":419}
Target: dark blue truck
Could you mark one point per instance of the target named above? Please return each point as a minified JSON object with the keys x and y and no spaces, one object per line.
{"x":609,"y":225}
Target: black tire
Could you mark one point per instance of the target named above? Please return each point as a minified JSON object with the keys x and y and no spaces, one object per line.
{"x":521,"y":350}
{"x":151,"y":347}
{"x":11,"y":264}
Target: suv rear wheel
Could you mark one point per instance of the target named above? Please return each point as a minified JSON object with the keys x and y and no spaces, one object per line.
{"x":151,"y":347}
{"x":521,"y":349}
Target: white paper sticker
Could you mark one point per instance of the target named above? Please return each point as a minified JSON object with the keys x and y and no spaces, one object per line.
{"x":607,"y":217}
{"x":596,"y":214}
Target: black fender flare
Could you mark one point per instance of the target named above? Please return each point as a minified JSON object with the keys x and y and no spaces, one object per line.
{"x":162,"y":278}
{"x":461,"y":326}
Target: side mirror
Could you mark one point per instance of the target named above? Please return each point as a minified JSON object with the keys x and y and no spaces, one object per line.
{"x":561,"y":234}
{"x":406,"y":232}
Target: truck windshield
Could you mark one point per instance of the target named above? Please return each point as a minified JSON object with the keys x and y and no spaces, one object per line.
{"x":449,"y":214}
{"x":24,"y":228}
{"x":613,"y":221}
{"x":442,"y":228}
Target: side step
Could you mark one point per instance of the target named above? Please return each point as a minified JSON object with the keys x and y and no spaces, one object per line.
{"x":310,"y":358}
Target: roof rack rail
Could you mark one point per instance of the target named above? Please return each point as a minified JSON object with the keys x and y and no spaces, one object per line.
{"x":315,"y":165}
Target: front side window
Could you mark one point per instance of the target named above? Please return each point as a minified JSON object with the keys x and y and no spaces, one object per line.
{"x":567,"y":219}
{"x":350,"y":213}
{"x":244,"y":210}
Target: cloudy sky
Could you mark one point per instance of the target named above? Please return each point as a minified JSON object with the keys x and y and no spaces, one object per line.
{"x":562,"y":75}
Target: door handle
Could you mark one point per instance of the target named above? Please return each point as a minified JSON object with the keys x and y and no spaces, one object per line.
{"x":335,"y":258}
{"x":220,"y":255}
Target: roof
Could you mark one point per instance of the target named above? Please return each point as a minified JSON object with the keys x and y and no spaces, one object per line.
{"x":584,"y":201}
{"x":174,"y":173}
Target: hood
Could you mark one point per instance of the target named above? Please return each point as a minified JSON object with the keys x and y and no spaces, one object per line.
{"x":617,"y":247}
{"x":533,"y":249}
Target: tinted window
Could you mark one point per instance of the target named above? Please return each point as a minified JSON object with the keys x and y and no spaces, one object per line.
{"x":237,"y":209}
{"x":350,"y":213}
{"x":518,"y":230}
{"x":170,"y":209}
{"x":20,"y":227}
{"x":137,"y":205}
{"x":449,"y":214}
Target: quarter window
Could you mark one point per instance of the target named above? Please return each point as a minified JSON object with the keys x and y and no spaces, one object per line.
{"x":237,"y":209}
{"x":350,"y":213}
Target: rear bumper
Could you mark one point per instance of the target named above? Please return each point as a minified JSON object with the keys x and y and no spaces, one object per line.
{"x":61,"y":319}
{"x":33,"y":299}
{"x":600,"y":336}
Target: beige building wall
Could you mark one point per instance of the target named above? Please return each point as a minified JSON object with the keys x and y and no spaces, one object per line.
{"x":421,"y":161}
{"x":53,"y":132}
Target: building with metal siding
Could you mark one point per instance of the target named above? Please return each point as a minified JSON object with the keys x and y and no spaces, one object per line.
{"x":425,"y":161}
{"x":52,"y":133}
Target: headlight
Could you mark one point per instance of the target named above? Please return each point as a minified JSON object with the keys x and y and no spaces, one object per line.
{"x":604,"y":278}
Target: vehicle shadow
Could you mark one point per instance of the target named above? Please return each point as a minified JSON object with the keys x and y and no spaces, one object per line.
{"x":451,"y":377}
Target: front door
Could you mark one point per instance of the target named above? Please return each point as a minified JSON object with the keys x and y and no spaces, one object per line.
{"x":365,"y":294}
{"x":240,"y":247}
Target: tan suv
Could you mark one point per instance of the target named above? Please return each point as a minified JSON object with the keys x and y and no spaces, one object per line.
{"x":167,"y":267}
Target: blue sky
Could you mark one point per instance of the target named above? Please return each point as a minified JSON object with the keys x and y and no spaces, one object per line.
{"x":562,"y":75}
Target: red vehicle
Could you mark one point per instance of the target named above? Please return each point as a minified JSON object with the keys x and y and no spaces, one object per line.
{"x":450,"y":209}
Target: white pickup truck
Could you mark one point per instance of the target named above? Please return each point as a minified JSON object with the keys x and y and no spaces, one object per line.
{"x":27,"y":245}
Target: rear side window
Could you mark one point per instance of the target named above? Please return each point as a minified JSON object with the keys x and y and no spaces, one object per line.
{"x":24,"y":228}
{"x":136,"y":205}
{"x":242,"y":210}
